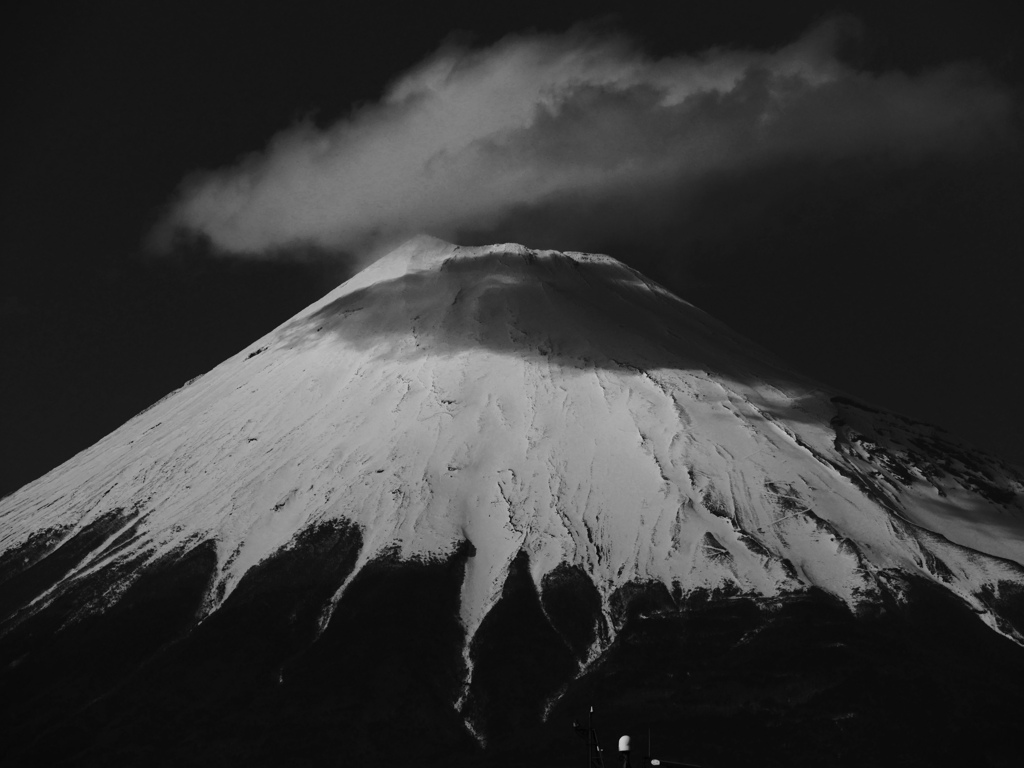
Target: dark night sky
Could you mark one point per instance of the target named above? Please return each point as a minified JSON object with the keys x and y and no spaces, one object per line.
{"x":898,"y":284}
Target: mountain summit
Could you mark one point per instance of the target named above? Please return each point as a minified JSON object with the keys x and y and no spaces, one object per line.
{"x":458,"y":457}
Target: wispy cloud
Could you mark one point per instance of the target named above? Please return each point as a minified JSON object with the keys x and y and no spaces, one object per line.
{"x":469,"y":138}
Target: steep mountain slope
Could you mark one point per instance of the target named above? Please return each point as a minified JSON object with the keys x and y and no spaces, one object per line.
{"x":550,"y":440}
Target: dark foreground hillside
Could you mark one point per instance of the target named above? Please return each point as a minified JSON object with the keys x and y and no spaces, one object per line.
{"x":719,"y":680}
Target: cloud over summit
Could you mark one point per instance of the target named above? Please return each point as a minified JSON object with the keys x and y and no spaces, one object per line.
{"x":470,"y":137}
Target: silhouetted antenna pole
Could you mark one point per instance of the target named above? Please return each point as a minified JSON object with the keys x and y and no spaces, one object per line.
{"x":590,"y":735}
{"x":595,"y":759}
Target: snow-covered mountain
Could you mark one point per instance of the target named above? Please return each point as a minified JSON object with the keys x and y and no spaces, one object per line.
{"x":549,"y":420}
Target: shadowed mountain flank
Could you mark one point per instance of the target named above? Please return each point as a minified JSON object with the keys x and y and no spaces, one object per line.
{"x":41,"y":562}
{"x":802,"y":682}
{"x":255,"y":683}
{"x":519,"y":663}
{"x":716,"y":679}
{"x":62,"y":670}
